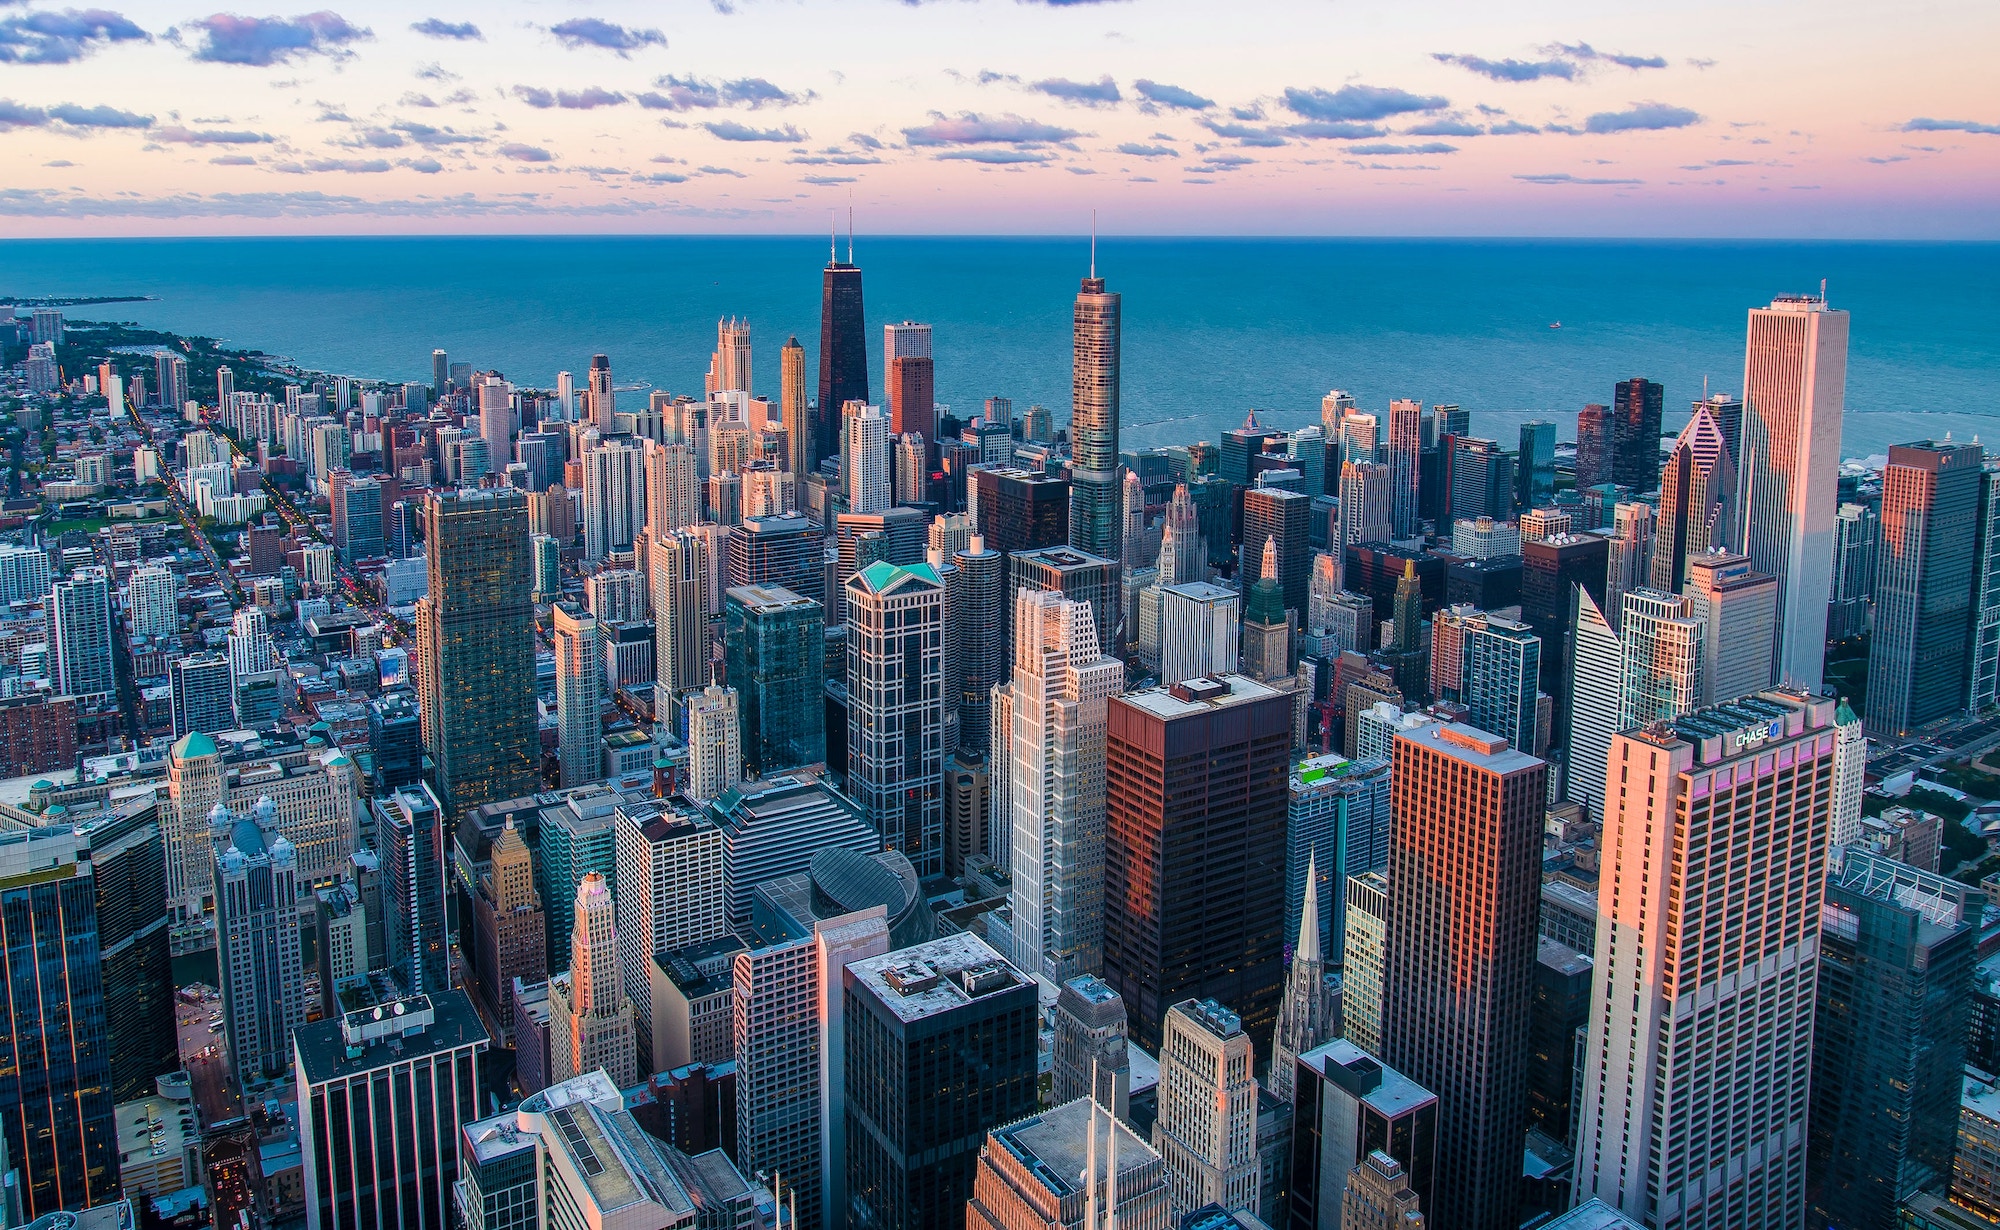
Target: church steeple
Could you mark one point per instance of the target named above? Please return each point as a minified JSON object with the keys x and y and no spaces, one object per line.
{"x":1310,"y":1013}
{"x":1308,"y":945}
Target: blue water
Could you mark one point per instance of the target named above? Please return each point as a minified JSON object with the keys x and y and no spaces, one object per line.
{"x":1212,"y":327}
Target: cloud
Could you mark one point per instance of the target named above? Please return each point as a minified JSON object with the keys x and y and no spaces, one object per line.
{"x":14,"y":115}
{"x":62,"y":38}
{"x":1323,"y":129}
{"x":423,"y":166}
{"x":1134,"y":149}
{"x":525,"y":153}
{"x":435,"y":27}
{"x":1565,"y":177}
{"x":834,"y":156}
{"x":1511,"y":128}
{"x":1883,"y":162}
{"x":232,"y":160}
{"x":1643,"y":117}
{"x":987,"y":77}
{"x":1510,"y":70}
{"x":660,"y":177}
{"x":825,"y":181}
{"x":64,"y":162}
{"x":1255,"y":111}
{"x":1925,"y":124}
{"x":534,"y":97}
{"x":374,"y":138}
{"x":54,"y":203}
{"x":1379,"y":149}
{"x":431,"y":137}
{"x":971,"y":128}
{"x":995,"y":157}
{"x":723,"y":171}
{"x":1260,"y":137}
{"x":414,"y":99}
{"x":1359,"y":102}
{"x":587,"y":99}
{"x":98,"y":117}
{"x":260,"y":42}
{"x":1100,"y":93}
{"x":1585,"y":52}
{"x":1444,"y":128}
{"x":579,"y":32}
{"x":177,"y":135}
{"x":358,"y":166}
{"x":865,"y":141}
{"x":435,"y":72}
{"x":1222,"y":162}
{"x":730,"y":130}
{"x":1171,"y":96}
{"x":693,"y":93}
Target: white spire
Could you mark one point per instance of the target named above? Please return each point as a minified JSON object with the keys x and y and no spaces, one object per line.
{"x":1308,"y":948}
{"x":1089,"y":1175}
{"x":1111,"y":1173}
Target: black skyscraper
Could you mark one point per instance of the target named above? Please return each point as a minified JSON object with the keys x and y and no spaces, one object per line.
{"x":843,"y":348}
{"x":1635,"y":429}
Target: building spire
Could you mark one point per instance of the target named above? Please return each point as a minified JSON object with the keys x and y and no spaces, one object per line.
{"x":1308,"y":946}
{"x":1093,"y":246}
{"x":1269,"y":572}
{"x":1111,"y":1173}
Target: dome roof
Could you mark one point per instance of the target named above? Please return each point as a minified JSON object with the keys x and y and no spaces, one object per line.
{"x":192,"y":745}
{"x":844,"y":881}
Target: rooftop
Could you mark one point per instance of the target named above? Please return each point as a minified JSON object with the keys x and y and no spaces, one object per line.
{"x":1053,"y":1145}
{"x":325,"y":1054}
{"x":1562,"y":958}
{"x":1385,"y":1090}
{"x":937,"y":976}
{"x":1592,"y":1214}
{"x":1181,"y":700}
{"x":1470,"y":745}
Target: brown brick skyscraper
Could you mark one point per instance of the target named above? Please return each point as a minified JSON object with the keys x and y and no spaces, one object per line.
{"x":1464,"y":888}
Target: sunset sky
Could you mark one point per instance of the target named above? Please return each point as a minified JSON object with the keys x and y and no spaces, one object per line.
{"x":992,"y":116}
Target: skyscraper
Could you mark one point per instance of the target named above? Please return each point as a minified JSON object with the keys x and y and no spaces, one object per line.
{"x":1794,"y":391}
{"x":590,"y":1015}
{"x":1635,"y":427}
{"x":1925,"y":580}
{"x":1093,"y":428}
{"x":1285,"y":517}
{"x":150,"y":595}
{"x":1738,"y":609}
{"x":1597,"y":666}
{"x":671,"y":886}
{"x":673,"y":488}
{"x":603,"y":398}
{"x":411,"y":835}
{"x":1535,"y":470}
{"x":56,"y":1097}
{"x":1697,"y":492}
{"x":257,"y":941}
{"x":1210,"y":757}
{"x":614,"y":496}
{"x":128,"y":870}
{"x":865,"y":460}
{"x":1628,"y":555}
{"x":1378,"y":1196}
{"x":911,"y":394}
{"x":476,"y":648}
{"x":1897,"y":951}
{"x":1207,"y":1129}
{"x":982,"y":655}
{"x":1198,"y":630}
{"x":1464,"y":870}
{"x":203,"y":694}
{"x":1552,"y":569}
{"x":1503,"y":670}
{"x":714,"y":741}
{"x":1267,"y":625}
{"x":1350,"y":1105}
{"x":801,"y":433}
{"x":1661,"y":639}
{"x":1090,"y":1046}
{"x":1405,"y":444}
{"x":939,"y":1049}
{"x":1674,"y":1093}
{"x":895,"y":707}
{"x":79,"y":617}
{"x":579,"y":693}
{"x":1982,"y":682}
{"x":774,"y":650}
{"x":1595,"y":446}
{"x":843,"y":346}
{"x":1030,"y":1175}
{"x":680,"y":568}
{"x":1061,"y":686}
{"x":510,"y":933}
{"x":729,"y":366}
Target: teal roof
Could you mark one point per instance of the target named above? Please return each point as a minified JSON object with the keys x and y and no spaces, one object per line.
{"x":193,"y":744}
{"x":882,"y":576}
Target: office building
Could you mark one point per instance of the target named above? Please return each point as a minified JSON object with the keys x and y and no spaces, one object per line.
{"x":714,"y":742}
{"x":1090,"y":1045}
{"x":978,"y":610}
{"x":1672,"y":1092}
{"x":911,"y":391}
{"x":1479,"y":480}
{"x":1016,"y":510}
{"x":1857,"y":535}
{"x":1698,"y":490}
{"x":1207,"y":1129}
{"x":1982,"y":683}
{"x":1310,"y":1014}
{"x":1094,"y":523}
{"x":1209,"y":757}
{"x":1552,"y":570}
{"x":1635,"y":429}
{"x":56,"y":1102}
{"x":1628,"y":555}
{"x":1598,"y":674}
{"x":1031,"y":1175}
{"x":939,"y":1050}
{"x":795,"y":412}
{"x":729,"y":366}
{"x":1561,"y":1008}
{"x":126,"y":852}
{"x":410,"y":835}
{"x":1350,"y":1106}
{"x":895,"y":707}
{"x":787,"y":551}
{"x":1273,"y":515}
{"x":1660,"y":639}
{"x":1056,"y":706}
{"x":510,"y":933}
{"x":1378,"y":1196}
{"x":865,"y":460}
{"x":1897,"y":953}
{"x":1535,"y":469}
{"x":602,"y":395}
{"x":257,"y":941}
{"x":673,"y":487}
{"x":1364,"y":957}
{"x":843,"y":347}
{"x":383,"y":1093}
{"x":1405,"y":445}
{"x":1464,"y":866}
{"x":1738,"y":609}
{"x":592,"y":1024}
{"x":358,"y":517}
{"x":774,"y":653}
{"x":968,"y":806}
{"x":476,"y":649}
{"x":775,"y":828}
{"x":614,"y":496}
{"x":1503,"y":670}
{"x":79,"y":618}
{"x":1596,"y":446}
{"x":681,"y":566}
{"x":1337,"y":824}
{"x":203,"y":695}
{"x":1794,"y":390}
{"x":1198,"y":629}
{"x":1926,"y":579}
{"x":579,"y":692}
{"x":776,"y":1036}
{"x":669,"y":896}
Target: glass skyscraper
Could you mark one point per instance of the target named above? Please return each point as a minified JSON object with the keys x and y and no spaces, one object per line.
{"x":774,"y":650}
{"x":1094,"y":524}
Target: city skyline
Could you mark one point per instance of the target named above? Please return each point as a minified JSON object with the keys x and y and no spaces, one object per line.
{"x":995,"y":118}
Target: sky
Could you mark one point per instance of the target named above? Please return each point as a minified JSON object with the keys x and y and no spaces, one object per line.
{"x":1294,"y":117}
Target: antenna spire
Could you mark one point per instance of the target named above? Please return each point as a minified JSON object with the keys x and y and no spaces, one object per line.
{"x":1093,"y":244}
{"x":850,"y":226}
{"x":832,"y":238}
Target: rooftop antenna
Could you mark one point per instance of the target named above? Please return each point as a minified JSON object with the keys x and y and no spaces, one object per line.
{"x":850,"y":226}
{"x":1704,"y":386}
{"x":1093,"y":245}
{"x":1822,"y":292}
{"x":832,"y":233}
